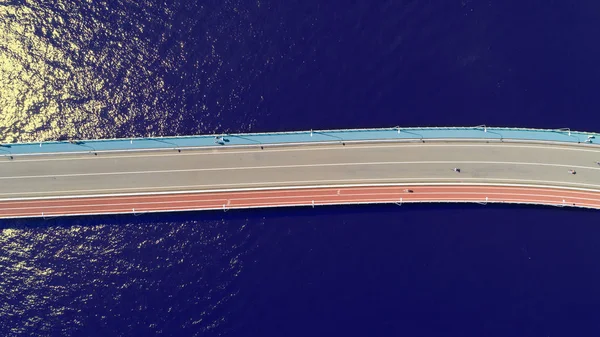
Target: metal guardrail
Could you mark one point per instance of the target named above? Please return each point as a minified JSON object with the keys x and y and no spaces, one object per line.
{"x":481,"y":132}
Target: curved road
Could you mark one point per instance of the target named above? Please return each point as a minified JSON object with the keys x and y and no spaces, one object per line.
{"x":112,"y":182}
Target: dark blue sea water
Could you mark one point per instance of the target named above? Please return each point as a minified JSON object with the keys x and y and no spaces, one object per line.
{"x":96,"y":69}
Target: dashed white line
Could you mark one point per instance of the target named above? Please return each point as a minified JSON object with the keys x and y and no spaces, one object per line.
{"x":271,"y":167}
{"x":312,"y":184}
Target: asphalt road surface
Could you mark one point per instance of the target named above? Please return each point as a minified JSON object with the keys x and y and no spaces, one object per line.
{"x":309,"y":165}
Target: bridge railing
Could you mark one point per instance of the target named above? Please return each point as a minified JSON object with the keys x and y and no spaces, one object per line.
{"x":481,"y":132}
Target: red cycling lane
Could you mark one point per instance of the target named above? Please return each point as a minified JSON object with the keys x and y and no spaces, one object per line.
{"x":295,"y":197}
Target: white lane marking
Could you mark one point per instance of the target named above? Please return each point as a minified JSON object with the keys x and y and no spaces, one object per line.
{"x":304,"y":184}
{"x":316,"y":188}
{"x":310,"y":197}
{"x":308,"y":147}
{"x":569,"y":189}
{"x":270,"y":167}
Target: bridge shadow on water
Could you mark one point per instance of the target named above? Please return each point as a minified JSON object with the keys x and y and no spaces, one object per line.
{"x":254,"y":215}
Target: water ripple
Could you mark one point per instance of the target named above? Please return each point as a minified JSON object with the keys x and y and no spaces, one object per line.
{"x":124,"y":68}
{"x":76,"y":277}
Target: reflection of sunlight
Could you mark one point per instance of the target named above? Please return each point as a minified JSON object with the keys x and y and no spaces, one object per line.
{"x":7,"y":233}
{"x":14,"y":251}
{"x":70,"y":70}
{"x":31,"y":90}
{"x":54,"y":83}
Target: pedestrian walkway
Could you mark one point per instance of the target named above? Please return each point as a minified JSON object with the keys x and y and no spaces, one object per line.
{"x":316,"y":136}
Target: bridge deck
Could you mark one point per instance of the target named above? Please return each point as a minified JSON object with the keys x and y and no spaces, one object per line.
{"x":111,"y":173}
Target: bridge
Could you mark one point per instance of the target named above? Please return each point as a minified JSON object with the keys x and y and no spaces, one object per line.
{"x":308,"y":168}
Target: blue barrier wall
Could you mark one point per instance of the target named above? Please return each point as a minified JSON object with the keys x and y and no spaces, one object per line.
{"x":259,"y":139}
